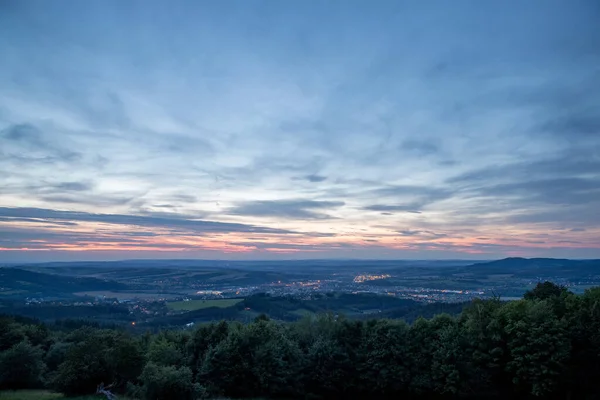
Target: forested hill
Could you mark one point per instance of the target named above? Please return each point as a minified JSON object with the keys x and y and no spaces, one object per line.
{"x":21,"y":283}
{"x":533,"y":267}
{"x":544,"y":346}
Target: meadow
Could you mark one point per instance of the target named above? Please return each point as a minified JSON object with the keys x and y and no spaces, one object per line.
{"x":193,"y":305}
{"x":43,"y":395}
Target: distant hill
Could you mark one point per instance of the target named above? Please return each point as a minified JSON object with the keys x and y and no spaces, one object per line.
{"x":534,"y":267}
{"x":15,"y":282}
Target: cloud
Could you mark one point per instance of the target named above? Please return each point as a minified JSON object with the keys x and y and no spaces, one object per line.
{"x":30,"y":144}
{"x":315,"y":178}
{"x":89,"y":200}
{"x":183,"y":198}
{"x":422,"y":234}
{"x":558,"y":191}
{"x":491,"y":123}
{"x":73,"y":186}
{"x":72,"y":192}
{"x":37,"y":221}
{"x":578,"y":230}
{"x":295,"y":209}
{"x":420,"y":147}
{"x":410,"y":208}
{"x":408,"y":232}
{"x":24,"y":133}
{"x":426,"y":195}
{"x":197,"y":226}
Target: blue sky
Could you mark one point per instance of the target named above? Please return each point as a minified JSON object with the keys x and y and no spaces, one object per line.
{"x":299,"y":129}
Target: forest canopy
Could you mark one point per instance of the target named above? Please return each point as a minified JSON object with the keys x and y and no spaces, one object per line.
{"x":545,"y":345}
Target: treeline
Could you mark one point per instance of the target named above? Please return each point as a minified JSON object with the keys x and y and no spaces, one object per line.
{"x":544,"y":346}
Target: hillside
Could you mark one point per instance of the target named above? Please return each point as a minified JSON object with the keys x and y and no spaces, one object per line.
{"x":19,"y":283}
{"x":534,"y":267}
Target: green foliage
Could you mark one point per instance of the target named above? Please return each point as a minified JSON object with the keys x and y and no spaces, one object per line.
{"x":387,"y":363}
{"x":168,"y":382}
{"x":545,"y":290}
{"x":544,"y":346}
{"x":165,"y":353}
{"x":21,"y":366}
{"x":101,"y":356}
{"x":254,"y":360}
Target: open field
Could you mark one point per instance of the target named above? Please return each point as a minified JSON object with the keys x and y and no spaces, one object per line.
{"x":193,"y":305}
{"x":127,"y":295}
{"x":29,"y":395}
{"x":43,"y":395}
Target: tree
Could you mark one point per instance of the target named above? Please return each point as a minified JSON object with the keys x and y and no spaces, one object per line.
{"x":545,"y":290}
{"x":202,"y":339}
{"x":11,"y":333}
{"x":21,"y":366}
{"x":449,"y":356}
{"x":386,"y":371}
{"x":254,"y":360}
{"x":167,"y":382}
{"x":163,"y":352}
{"x":538,"y":347}
{"x":85,"y":367}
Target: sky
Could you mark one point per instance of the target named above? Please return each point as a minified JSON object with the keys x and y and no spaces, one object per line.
{"x":299,"y":129}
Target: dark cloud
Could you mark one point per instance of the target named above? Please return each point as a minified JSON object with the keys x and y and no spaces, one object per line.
{"x":573,"y":191}
{"x":568,"y":215}
{"x":562,"y":188}
{"x":422,"y":234}
{"x":424,"y":195}
{"x":197,"y":226}
{"x":420,"y":147}
{"x":139,"y":234}
{"x":567,"y":111}
{"x":315,"y":178}
{"x":173,"y":215}
{"x":40,"y":239}
{"x":37,"y":220}
{"x":184,"y":198}
{"x":73,"y":186}
{"x":414,"y":198}
{"x":279,"y":246}
{"x":575,"y":124}
{"x":184,"y":144}
{"x":74,"y":192}
{"x":410,"y":208}
{"x":95,"y":200}
{"x":32,"y":145}
{"x":408,"y":232}
{"x":24,"y":133}
{"x":567,"y":164}
{"x":296,"y":209}
{"x":319,"y":234}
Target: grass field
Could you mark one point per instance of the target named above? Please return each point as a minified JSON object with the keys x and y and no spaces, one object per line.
{"x":43,"y":395}
{"x":303,"y":312}
{"x":126,"y":295}
{"x":29,"y":395}
{"x":193,"y":305}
